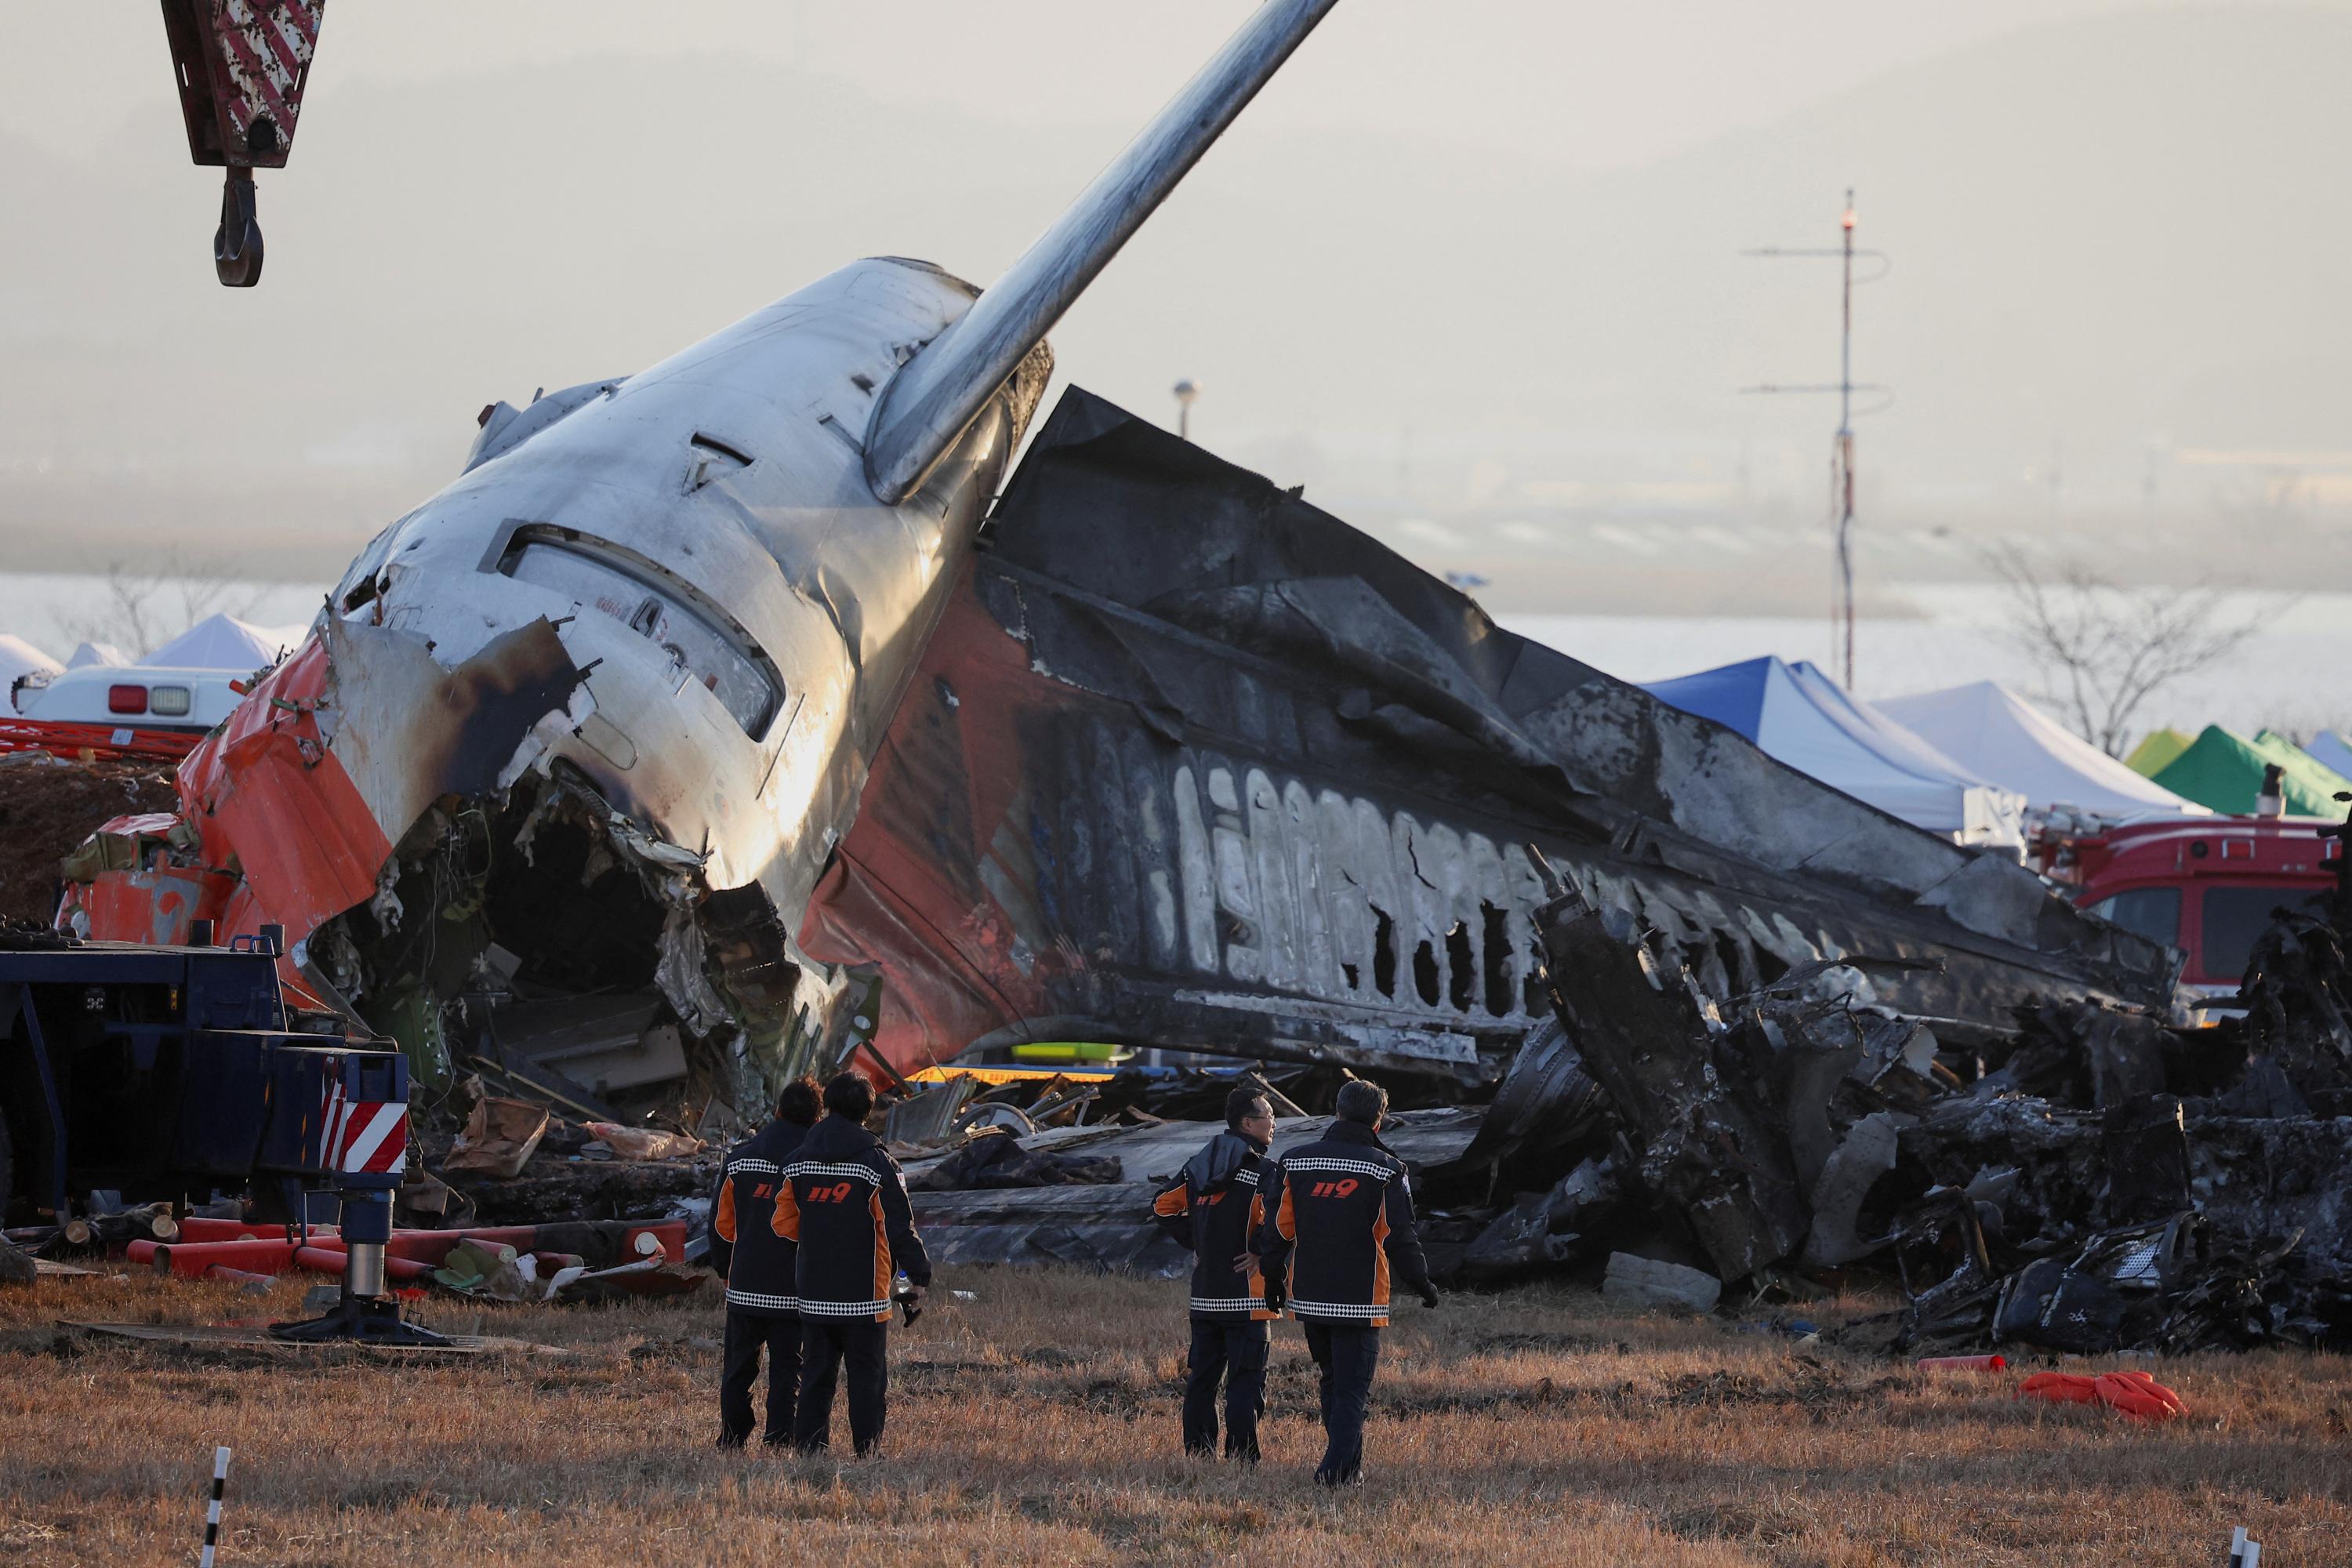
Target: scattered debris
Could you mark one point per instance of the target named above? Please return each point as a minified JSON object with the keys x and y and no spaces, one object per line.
{"x":1649,"y":1282}
{"x":2094,"y":1177}
{"x":487,"y":1268}
{"x":995,"y":1159}
{"x":1541,"y":1230}
{"x":645,"y":1142}
{"x":499,"y":1138}
{"x":1105,"y":1225}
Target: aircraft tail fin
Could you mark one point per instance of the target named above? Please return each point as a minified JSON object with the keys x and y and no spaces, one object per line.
{"x":930,"y":402}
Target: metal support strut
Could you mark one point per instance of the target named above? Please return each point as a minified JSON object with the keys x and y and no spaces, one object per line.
{"x":349,"y":1142}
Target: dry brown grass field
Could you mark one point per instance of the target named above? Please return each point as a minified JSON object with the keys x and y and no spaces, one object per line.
{"x":1038,"y":1423}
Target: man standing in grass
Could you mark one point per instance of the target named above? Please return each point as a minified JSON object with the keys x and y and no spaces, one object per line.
{"x":1340,"y":1220}
{"x":844,"y":1201}
{"x":759,"y":1266}
{"x":1213,"y":1208}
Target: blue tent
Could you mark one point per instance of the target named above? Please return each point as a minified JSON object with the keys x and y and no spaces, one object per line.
{"x":2332,"y":751}
{"x":1799,"y":716}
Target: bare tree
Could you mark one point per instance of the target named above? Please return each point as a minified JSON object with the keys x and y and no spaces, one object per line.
{"x":146,"y":607}
{"x":2104,"y":650}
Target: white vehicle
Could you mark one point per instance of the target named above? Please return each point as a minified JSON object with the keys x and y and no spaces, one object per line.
{"x":131,"y":697}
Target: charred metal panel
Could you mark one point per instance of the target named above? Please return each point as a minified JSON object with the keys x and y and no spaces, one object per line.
{"x":1191,"y":762}
{"x":1111,"y":507}
{"x":408,"y":730}
{"x":1032,"y":859}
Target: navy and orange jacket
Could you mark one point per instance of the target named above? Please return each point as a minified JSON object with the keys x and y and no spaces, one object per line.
{"x":759,"y":1264}
{"x":844,"y":1201}
{"x":1340,"y":1220}
{"x":1213,"y":1208}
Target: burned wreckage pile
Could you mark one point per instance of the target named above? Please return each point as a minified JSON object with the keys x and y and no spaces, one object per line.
{"x":2095,"y":1178}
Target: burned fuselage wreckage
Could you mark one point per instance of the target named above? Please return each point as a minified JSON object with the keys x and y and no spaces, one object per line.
{"x":1184,"y":763}
{"x":1190,"y":762}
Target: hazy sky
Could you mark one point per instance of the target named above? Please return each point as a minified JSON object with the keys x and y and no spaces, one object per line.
{"x":1593,"y":85}
{"x":1471,"y":270}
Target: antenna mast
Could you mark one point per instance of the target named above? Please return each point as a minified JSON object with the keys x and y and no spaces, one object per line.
{"x":1841,"y":617}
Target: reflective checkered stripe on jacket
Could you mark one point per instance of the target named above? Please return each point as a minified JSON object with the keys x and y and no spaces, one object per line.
{"x":1229,"y":1223}
{"x":759,"y":1302}
{"x":846,"y":1267}
{"x":1334,"y":1208}
{"x":759,"y":1276}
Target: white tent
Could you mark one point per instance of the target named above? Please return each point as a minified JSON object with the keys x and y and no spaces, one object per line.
{"x":1992,"y":731}
{"x":1800,"y":717}
{"x":90,"y":653}
{"x":218,"y":642}
{"x":19,"y":658}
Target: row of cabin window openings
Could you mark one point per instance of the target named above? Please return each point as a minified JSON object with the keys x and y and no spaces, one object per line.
{"x":1468,"y":976}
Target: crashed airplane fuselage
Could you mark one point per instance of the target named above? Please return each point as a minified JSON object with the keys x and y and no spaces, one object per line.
{"x":646,"y":638}
{"x":590,"y":719}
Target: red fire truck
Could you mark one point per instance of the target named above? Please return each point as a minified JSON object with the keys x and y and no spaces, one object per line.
{"x":2206,"y":885}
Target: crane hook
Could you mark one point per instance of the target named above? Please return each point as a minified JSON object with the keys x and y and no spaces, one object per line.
{"x":236,"y":244}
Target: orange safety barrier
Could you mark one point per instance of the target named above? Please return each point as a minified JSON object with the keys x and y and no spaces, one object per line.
{"x":196,"y":1227}
{"x":2133,"y":1394}
{"x":334,"y":1260}
{"x":190,"y":1261}
{"x":2136,"y":1393}
{"x":2060,"y":1387}
{"x":236,"y":1276}
{"x":409,"y":1255}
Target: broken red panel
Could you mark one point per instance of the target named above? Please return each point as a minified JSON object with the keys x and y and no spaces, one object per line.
{"x":265,"y":794}
{"x":906,"y":889}
{"x":158,"y":906}
{"x":297,"y":798}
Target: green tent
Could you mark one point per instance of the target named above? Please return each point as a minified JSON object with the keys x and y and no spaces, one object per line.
{"x":2155,"y":752}
{"x":2326,"y":779}
{"x":2225,"y":772}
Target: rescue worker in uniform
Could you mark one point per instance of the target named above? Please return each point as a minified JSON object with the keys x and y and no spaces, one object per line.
{"x":844,"y":1202}
{"x":1339,"y":1225}
{"x":758,"y":1265}
{"x":1213,"y":1208}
